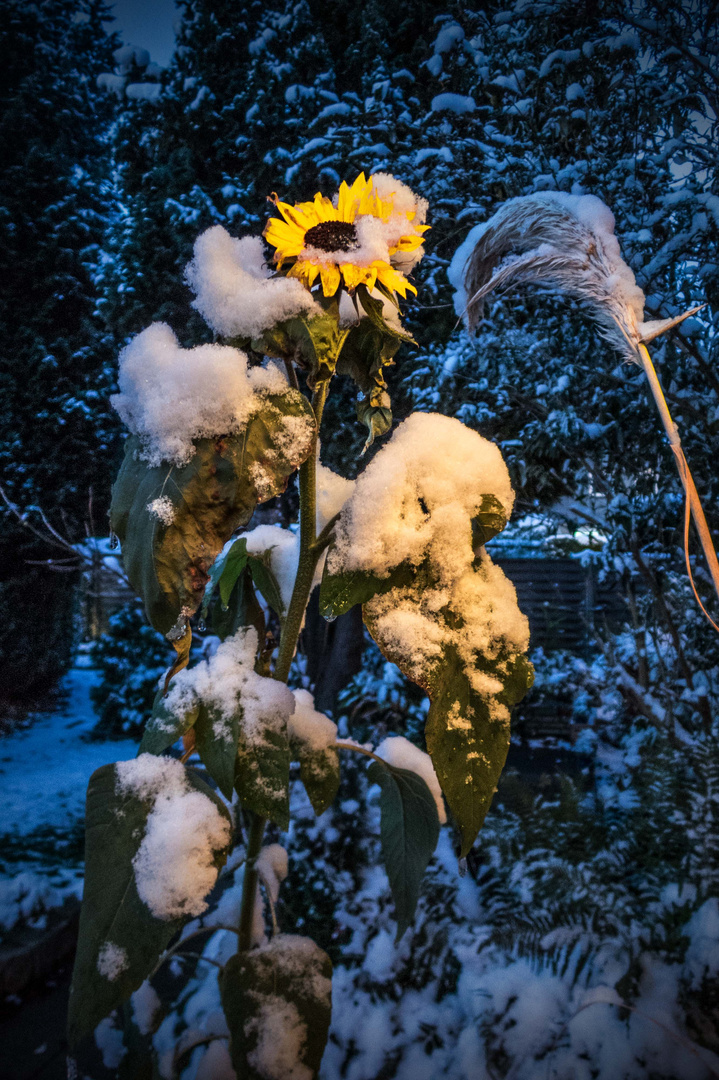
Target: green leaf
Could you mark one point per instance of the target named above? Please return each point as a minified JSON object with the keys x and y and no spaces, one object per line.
{"x":289,"y":983}
{"x":232,"y":566}
{"x":243,"y":609}
{"x":374,"y":309}
{"x":262,"y":776}
{"x":340,"y":591}
{"x":112,"y":911}
{"x":214,"y":494}
{"x":319,"y":773}
{"x":409,"y":832}
{"x":216,"y":739}
{"x":266,"y":582}
{"x":164,"y":727}
{"x":226,"y":571}
{"x":317,"y":339}
{"x":467,"y":746}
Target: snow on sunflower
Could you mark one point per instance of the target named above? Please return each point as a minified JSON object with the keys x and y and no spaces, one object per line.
{"x":371,"y":228}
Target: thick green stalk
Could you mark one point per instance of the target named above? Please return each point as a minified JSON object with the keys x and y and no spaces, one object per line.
{"x":309,"y":554}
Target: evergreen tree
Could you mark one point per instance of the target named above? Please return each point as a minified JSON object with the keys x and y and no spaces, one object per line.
{"x":57,"y":440}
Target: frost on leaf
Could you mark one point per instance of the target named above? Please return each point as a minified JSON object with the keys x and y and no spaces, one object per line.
{"x":312,"y":738}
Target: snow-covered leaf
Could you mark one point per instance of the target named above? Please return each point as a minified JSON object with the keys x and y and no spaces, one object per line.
{"x":468,"y":745}
{"x":216,"y":738}
{"x":278,"y":1004}
{"x":120,"y":938}
{"x":210,"y":497}
{"x":409,"y":832}
{"x":341,"y":591}
{"x":262,"y":777}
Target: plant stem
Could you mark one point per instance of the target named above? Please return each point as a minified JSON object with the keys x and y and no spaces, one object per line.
{"x":309,"y":556}
{"x":687,"y":480}
{"x":288,"y":643}
{"x":249,"y":883}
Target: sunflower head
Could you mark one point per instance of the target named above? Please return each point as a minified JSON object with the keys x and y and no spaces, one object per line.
{"x":367,"y":235}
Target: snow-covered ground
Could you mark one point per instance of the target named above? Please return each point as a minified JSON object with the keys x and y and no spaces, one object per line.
{"x":44,"y":768}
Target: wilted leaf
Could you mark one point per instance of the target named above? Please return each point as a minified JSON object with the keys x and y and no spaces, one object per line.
{"x":409,"y":832}
{"x":211,"y":496}
{"x":277,"y":998}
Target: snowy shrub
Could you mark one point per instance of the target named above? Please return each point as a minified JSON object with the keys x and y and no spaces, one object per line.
{"x":131,"y":657}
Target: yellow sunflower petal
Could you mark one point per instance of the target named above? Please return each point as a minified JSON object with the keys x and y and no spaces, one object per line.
{"x":356,"y":275}
{"x":349,"y":198}
{"x":323,"y":208}
{"x":330,"y":279}
{"x":406,"y":243}
{"x":306,"y":272}
{"x":392,"y":278}
{"x":288,"y":239}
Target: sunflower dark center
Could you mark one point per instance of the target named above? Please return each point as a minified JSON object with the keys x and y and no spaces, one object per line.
{"x":332,"y":236}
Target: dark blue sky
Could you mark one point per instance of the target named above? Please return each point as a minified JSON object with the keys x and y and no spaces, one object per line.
{"x":148,"y":23}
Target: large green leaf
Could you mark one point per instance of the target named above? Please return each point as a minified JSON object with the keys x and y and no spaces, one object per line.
{"x":277,"y":999}
{"x":211,"y":496}
{"x":113,"y":915}
{"x":319,"y":773}
{"x":262,"y":776}
{"x":468,"y":747}
{"x":216,"y":738}
{"x":409,"y":831}
{"x":467,"y":733}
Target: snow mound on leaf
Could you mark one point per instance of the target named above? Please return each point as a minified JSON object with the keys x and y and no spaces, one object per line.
{"x":170,"y":395}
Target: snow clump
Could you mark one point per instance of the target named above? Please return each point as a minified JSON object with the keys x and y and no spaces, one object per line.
{"x":111,"y":961}
{"x":163,"y":509}
{"x":313,"y":729}
{"x":233,"y":289}
{"x":413,"y":506}
{"x":174,"y":865}
{"x":418,"y":496}
{"x":227,"y":682}
{"x":170,"y":395}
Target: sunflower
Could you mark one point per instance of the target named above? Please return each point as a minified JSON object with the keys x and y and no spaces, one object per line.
{"x":352,"y":240}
